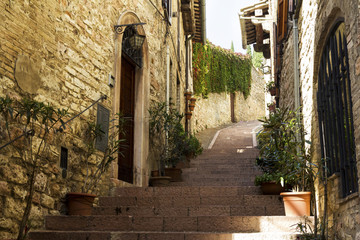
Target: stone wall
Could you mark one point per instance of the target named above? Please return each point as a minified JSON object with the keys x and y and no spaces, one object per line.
{"x":215,"y":110}
{"x":62,"y":52}
{"x":315,"y":21}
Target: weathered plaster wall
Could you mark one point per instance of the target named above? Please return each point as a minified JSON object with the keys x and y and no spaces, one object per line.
{"x":253,"y":107}
{"x":216,"y":109}
{"x":67,"y":49}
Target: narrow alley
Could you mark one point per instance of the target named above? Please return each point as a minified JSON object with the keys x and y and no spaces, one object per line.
{"x":217,"y":200}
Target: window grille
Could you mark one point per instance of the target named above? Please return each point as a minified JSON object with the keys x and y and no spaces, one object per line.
{"x":64,"y":158}
{"x":135,"y":55}
{"x":335,"y":112}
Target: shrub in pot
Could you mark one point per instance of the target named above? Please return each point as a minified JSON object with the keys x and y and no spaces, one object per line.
{"x":28,"y":128}
{"x":168,"y":139}
{"x":282,"y":150}
{"x":80,"y":203}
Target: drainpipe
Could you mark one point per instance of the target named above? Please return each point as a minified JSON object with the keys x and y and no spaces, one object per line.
{"x":187,"y":62}
{"x":167,"y":99}
{"x":167,"y":94}
{"x":296,"y":64}
{"x":203,"y":20}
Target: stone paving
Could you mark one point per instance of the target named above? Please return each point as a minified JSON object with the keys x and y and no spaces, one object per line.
{"x":217,"y":200}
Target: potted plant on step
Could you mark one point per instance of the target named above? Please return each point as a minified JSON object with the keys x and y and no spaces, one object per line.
{"x":96,"y":164}
{"x":283,"y":155}
{"x":169,"y":142}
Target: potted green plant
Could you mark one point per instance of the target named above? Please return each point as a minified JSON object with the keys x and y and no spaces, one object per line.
{"x":282,"y":152}
{"x":271,"y":107}
{"x":27,"y":127}
{"x":169,"y":141}
{"x":270,"y":87}
{"x":270,"y":183}
{"x":80,"y":203}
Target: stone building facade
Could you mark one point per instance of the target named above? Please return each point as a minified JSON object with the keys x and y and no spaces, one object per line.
{"x":68,"y":54}
{"x":215,"y":110}
{"x":306,"y":46}
{"x":314,"y":46}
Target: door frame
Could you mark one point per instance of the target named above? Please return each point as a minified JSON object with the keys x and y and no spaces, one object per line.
{"x":142,"y":95}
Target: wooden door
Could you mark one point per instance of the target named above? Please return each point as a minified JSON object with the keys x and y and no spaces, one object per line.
{"x":127,"y":108}
{"x":232,"y":106}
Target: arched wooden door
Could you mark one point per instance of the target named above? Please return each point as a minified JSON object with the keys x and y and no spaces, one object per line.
{"x":127,"y":108}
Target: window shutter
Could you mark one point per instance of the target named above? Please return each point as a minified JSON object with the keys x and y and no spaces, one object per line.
{"x":282,"y":19}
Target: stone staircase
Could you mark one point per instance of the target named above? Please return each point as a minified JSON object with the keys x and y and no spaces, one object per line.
{"x":217,"y":200}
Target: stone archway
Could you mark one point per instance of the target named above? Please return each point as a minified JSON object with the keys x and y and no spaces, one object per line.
{"x":140,"y":105}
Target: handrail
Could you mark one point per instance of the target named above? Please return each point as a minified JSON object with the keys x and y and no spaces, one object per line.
{"x":30,"y":132}
{"x":61,"y":128}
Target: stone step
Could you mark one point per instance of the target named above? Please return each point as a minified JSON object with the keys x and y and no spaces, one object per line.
{"x":246,"y":170}
{"x":193,"y":191}
{"x":221,"y":181}
{"x":193,"y":201}
{"x":96,"y":235}
{"x":244,"y":176}
{"x":217,"y":224}
{"x":231,"y":154}
{"x":212,"y":210}
{"x":213,"y":184}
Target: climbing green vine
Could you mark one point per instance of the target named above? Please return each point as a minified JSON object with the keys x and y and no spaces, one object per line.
{"x":219,"y":70}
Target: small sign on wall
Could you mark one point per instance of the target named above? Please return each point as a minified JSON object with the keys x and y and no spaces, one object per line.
{"x":103,"y":115}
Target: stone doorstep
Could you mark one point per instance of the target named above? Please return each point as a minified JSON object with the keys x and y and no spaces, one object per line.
{"x":196,"y":211}
{"x":185,"y":191}
{"x":218,"y":224}
{"x":94,"y":235}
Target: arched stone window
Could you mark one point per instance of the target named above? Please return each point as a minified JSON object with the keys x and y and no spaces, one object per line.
{"x":335,"y":111}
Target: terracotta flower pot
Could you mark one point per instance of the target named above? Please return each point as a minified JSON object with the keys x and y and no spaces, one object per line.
{"x":271,"y":188}
{"x":273,"y":91}
{"x":160,"y":181}
{"x":174,"y":173}
{"x":188,"y":115}
{"x":191,"y":107}
{"x":188,"y":95}
{"x":296,"y":203}
{"x":155,"y":173}
{"x":80,"y":203}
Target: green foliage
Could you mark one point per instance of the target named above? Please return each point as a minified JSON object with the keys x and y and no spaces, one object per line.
{"x":267,"y":177}
{"x":257,"y":59}
{"x":112,"y":151}
{"x":282,"y":149}
{"x":218,"y":70}
{"x":27,"y":126}
{"x":168,"y":137}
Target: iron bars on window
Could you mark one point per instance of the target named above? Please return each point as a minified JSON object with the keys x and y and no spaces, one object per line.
{"x":335,"y":113}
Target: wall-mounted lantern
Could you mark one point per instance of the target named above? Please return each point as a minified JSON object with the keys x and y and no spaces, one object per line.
{"x":132,"y":41}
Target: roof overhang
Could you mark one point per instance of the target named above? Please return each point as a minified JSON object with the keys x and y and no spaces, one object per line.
{"x":194,"y":21}
{"x":254,"y":22}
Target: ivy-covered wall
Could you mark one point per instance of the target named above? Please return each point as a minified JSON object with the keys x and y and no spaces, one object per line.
{"x":218,"y":70}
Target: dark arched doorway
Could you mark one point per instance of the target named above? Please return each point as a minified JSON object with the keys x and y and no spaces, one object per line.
{"x":130,"y":60}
